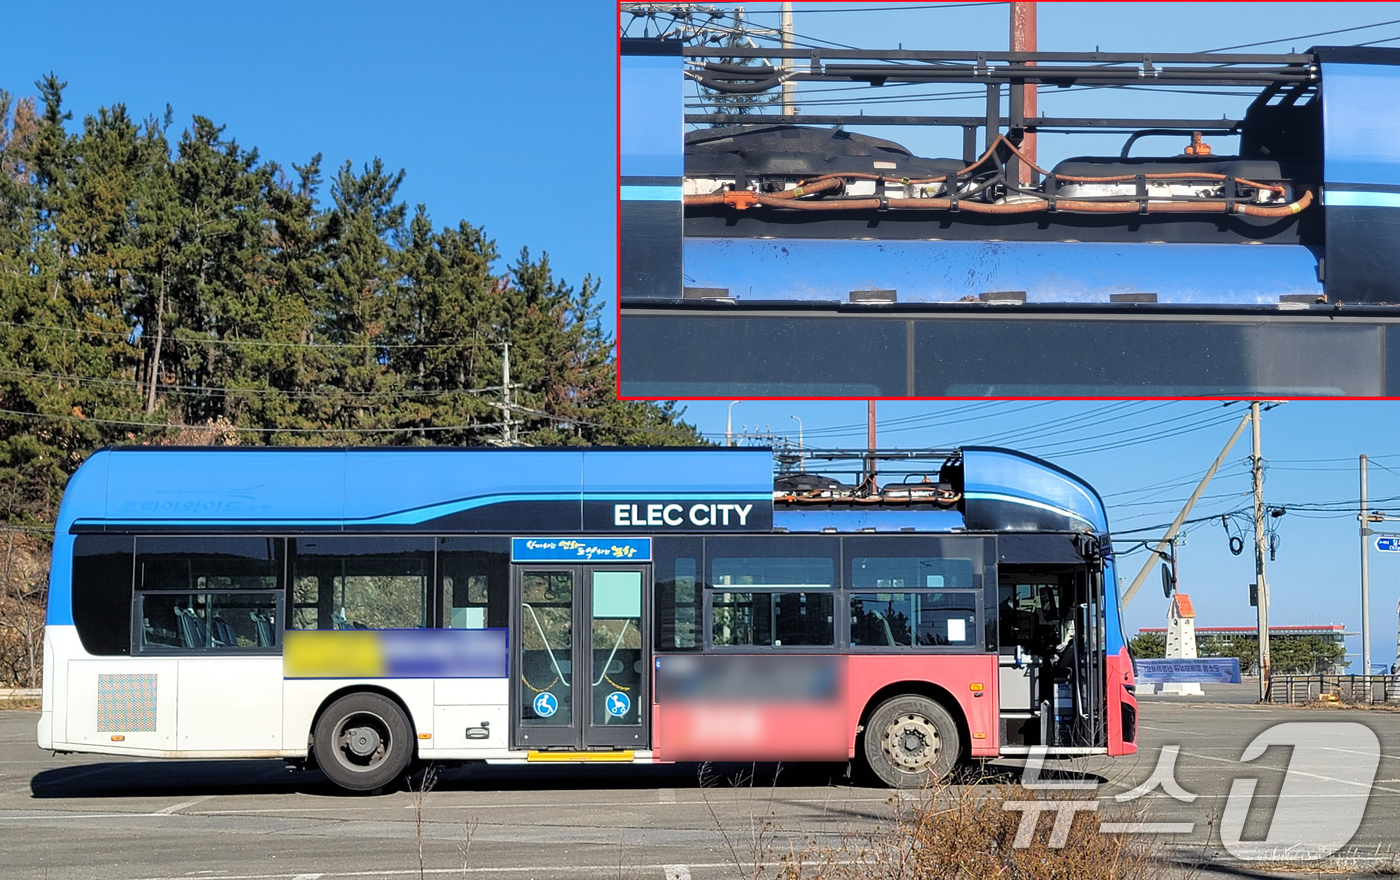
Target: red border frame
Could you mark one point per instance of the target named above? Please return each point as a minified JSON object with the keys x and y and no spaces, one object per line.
{"x":617,"y":273}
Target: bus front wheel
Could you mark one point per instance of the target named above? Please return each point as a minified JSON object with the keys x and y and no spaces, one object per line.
{"x":911,"y":741}
{"x":363,"y":742}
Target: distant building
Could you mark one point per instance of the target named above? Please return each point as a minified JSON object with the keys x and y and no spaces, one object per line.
{"x":1229,"y":641}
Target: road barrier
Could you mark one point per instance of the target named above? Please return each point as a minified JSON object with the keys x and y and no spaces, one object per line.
{"x":1344,"y":688}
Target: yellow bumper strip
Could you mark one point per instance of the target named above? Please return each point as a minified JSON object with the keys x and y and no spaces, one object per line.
{"x":581,"y":756}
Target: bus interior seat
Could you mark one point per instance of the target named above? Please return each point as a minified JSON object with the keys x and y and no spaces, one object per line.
{"x":192,"y":631}
{"x":264,"y":628}
{"x":224,"y":635}
{"x":885,"y":624}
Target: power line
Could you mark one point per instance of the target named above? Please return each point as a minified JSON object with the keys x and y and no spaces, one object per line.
{"x":235,"y":391}
{"x":818,"y":11}
{"x":1184,"y":429}
{"x":1183,"y":480}
{"x":1361,"y":27}
{"x":1055,"y":426}
{"x":139,"y":340}
{"x":243,"y":430}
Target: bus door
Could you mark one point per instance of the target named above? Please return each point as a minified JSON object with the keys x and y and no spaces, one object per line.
{"x":1051,"y":689}
{"x":580,"y":657}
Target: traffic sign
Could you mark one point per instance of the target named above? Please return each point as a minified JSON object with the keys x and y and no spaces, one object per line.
{"x":1389,"y":543}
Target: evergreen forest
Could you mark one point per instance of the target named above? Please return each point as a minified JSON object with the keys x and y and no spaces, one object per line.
{"x":168,"y":285}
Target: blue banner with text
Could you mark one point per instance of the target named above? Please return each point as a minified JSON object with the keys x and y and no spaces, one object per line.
{"x":1218,"y":670}
{"x":580,"y":549}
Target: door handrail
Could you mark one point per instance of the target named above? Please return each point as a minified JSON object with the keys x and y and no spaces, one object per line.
{"x":547,"y":647}
{"x":617,"y":644}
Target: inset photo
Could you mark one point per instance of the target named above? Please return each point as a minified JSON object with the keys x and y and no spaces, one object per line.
{"x":1007,"y":200}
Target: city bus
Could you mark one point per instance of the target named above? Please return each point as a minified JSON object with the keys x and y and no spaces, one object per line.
{"x":367,"y":611}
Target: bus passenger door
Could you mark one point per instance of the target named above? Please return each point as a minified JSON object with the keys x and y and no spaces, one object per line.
{"x":580,"y":657}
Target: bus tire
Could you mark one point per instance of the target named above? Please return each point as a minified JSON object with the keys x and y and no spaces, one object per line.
{"x":911,"y":741}
{"x":363,"y":742}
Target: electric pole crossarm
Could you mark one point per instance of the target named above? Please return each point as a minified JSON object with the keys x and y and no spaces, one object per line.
{"x":1185,"y":512}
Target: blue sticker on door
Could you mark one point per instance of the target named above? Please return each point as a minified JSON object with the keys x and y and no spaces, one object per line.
{"x":618,"y":704}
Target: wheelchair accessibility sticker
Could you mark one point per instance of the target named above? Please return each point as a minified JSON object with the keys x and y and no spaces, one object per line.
{"x":618,"y":704}
{"x":546,"y":705}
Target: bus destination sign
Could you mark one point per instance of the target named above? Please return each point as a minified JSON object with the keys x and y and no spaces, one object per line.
{"x":580,"y":549}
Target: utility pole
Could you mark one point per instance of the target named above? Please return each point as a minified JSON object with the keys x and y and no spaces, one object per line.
{"x":870,"y":444}
{"x":789,"y":106}
{"x":1365,"y":576}
{"x":505,"y":396}
{"x":1170,"y":536}
{"x":1023,"y":39}
{"x":1257,"y":466}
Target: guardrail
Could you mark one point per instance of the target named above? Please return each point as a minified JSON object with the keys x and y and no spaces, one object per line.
{"x":1347,"y":688}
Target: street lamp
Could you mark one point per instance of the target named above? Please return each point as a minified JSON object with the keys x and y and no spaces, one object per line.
{"x":729,"y":425}
{"x":801,"y":461}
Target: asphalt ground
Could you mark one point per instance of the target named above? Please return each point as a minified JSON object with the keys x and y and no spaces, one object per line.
{"x":74,"y":817}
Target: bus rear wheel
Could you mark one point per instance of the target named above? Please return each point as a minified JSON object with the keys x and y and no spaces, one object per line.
{"x":363,"y":742}
{"x":911,"y":741}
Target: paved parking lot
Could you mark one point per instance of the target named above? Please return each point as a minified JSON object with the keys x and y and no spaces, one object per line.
{"x":73,"y":817}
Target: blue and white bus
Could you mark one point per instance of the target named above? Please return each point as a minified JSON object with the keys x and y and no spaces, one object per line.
{"x":364,"y":611}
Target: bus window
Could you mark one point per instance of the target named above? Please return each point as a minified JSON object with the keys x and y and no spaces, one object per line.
{"x":208,"y":593}
{"x":910,"y":572}
{"x":794,"y":562}
{"x":922,"y":619}
{"x":678,"y":594}
{"x":790,"y":604}
{"x":360,"y":583}
{"x":910,"y":562}
{"x":474,"y":577}
{"x":200,"y":621}
{"x":772,"y":619}
{"x":102,"y":593}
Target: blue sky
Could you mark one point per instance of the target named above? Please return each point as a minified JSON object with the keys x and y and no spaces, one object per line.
{"x":503,"y":115}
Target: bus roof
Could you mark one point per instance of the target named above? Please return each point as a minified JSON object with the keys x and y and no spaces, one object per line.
{"x":554,"y":490}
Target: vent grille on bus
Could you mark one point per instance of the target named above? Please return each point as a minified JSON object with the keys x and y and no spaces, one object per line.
{"x":126,"y":703}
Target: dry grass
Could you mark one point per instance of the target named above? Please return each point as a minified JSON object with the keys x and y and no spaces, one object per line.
{"x":1378,"y":864}
{"x":970,"y":832}
{"x":27,"y":704}
{"x":1346,"y":704}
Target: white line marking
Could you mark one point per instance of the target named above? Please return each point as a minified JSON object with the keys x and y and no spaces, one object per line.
{"x":308,"y":877}
{"x":677,"y":872}
{"x":175,"y":808}
{"x":573,"y":870}
{"x":1147,"y":827}
{"x":438,"y":801}
{"x":1245,"y":767}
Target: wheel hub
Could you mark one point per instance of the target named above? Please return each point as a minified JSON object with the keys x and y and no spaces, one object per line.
{"x":911,"y":742}
{"x":362,"y":741}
